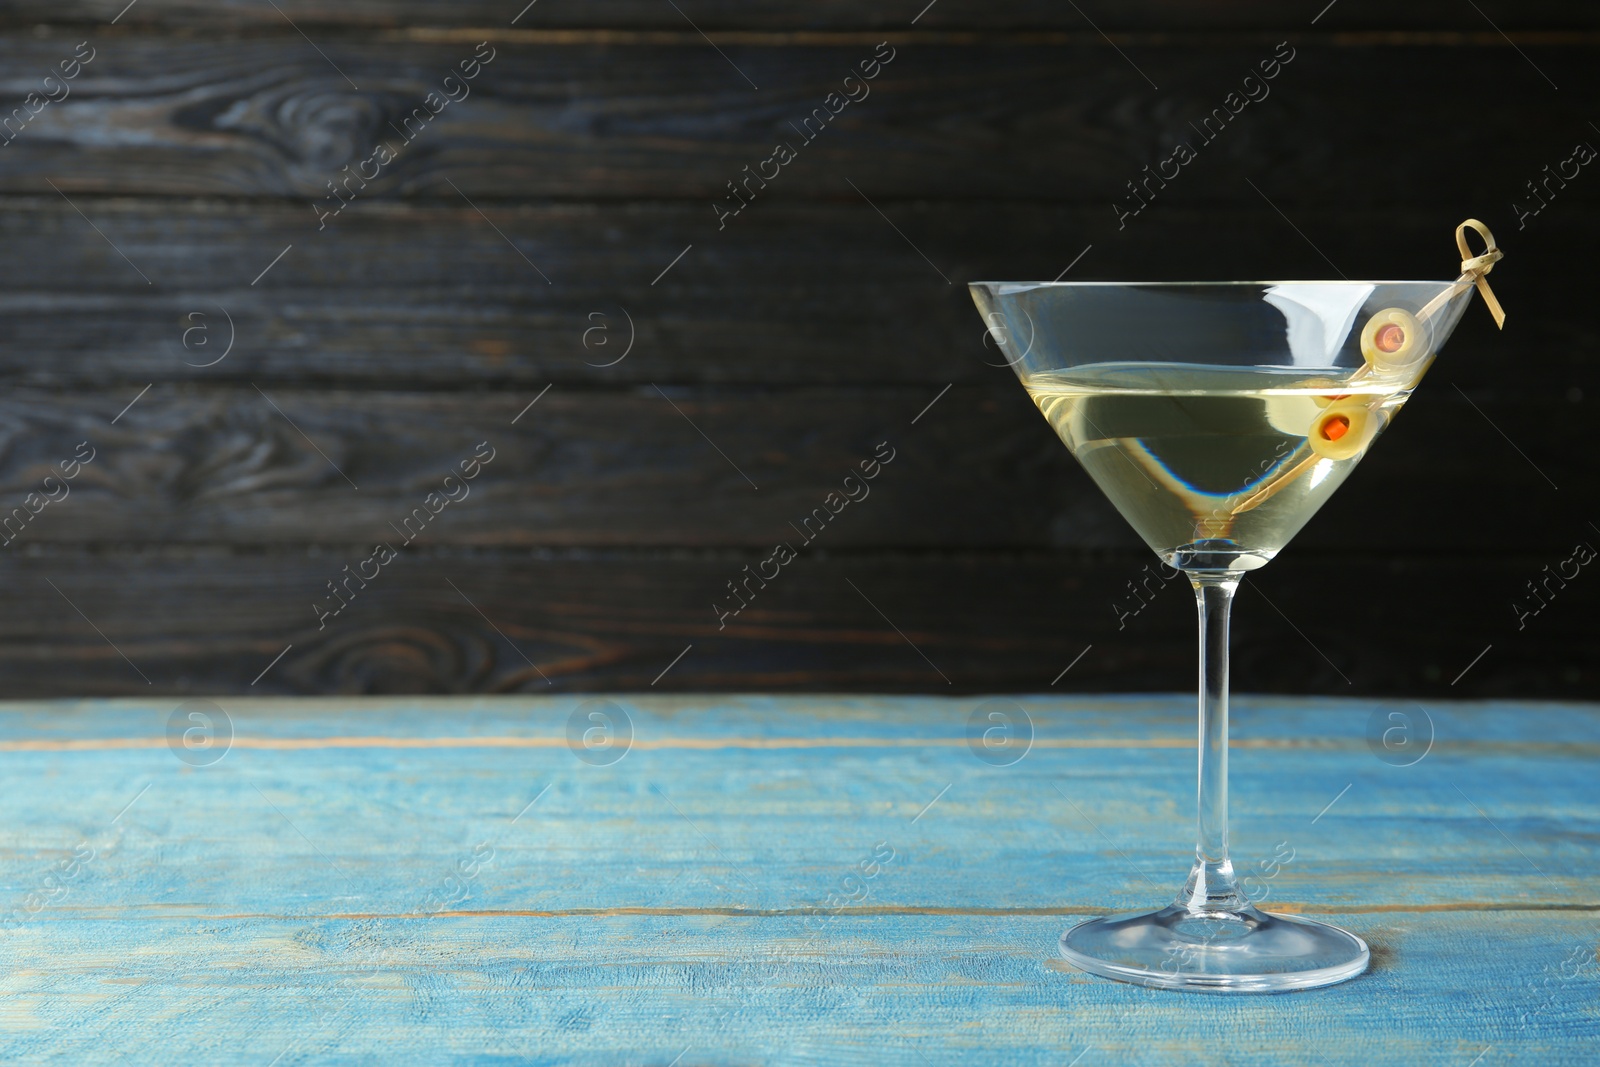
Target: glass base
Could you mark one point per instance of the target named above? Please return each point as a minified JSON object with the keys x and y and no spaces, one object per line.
{"x":1240,"y":951}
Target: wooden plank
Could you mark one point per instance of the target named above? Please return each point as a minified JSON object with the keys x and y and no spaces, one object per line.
{"x":1136,"y":15}
{"x":919,"y":991}
{"x":646,"y":468}
{"x":270,"y":117}
{"x":849,"y":769}
{"x":794,"y":294}
{"x":298,"y":902}
{"x":971,"y":467}
{"x":185,"y":621}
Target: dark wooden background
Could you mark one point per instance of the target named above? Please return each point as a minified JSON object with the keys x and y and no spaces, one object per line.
{"x":820,"y":322}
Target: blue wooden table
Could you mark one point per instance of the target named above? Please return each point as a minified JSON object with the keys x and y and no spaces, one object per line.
{"x":809,"y":880}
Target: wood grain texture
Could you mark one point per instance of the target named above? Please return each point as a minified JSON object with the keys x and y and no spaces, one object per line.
{"x":198,"y":620}
{"x":308,"y":904}
{"x":463,"y":281}
{"x":648,"y":468}
{"x":1135,"y":15}
{"x":272,"y":118}
{"x":695,"y":468}
{"x":430,"y":296}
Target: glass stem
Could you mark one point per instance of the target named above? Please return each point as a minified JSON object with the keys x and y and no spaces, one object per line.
{"x":1212,"y":887}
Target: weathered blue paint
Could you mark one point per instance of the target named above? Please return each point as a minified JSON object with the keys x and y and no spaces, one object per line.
{"x":823,"y":880}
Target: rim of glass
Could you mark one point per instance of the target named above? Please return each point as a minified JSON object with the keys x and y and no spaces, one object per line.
{"x":1291,"y":281}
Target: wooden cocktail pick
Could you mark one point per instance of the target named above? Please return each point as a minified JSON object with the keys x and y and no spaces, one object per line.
{"x":1392,"y":332}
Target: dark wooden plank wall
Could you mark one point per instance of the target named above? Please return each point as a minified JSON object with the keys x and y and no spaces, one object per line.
{"x":566,"y":206}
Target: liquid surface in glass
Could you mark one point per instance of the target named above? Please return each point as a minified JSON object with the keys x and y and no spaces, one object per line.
{"x":1213,"y":465}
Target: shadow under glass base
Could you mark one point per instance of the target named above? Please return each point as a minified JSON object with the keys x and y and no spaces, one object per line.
{"x":1240,"y":951}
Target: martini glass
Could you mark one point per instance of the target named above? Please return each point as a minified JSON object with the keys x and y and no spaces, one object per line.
{"x":1218,"y":417}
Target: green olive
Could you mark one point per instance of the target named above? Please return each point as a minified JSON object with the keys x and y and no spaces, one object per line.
{"x":1393,"y":339}
{"x":1341,"y":430}
{"x":1329,"y":390}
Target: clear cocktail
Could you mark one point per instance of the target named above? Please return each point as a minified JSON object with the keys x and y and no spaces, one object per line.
{"x":1218,"y":417}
